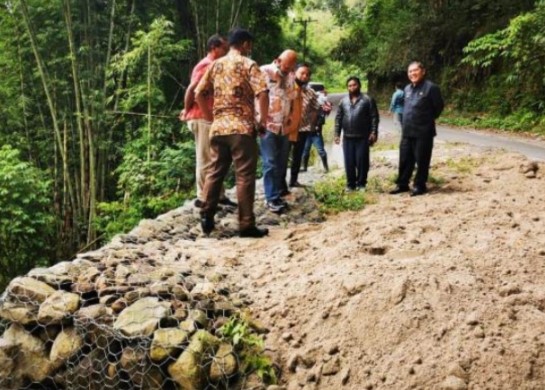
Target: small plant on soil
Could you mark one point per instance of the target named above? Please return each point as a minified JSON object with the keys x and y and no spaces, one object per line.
{"x":250,"y":348}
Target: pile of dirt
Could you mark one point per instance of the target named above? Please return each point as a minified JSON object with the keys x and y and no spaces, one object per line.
{"x":442,"y":291}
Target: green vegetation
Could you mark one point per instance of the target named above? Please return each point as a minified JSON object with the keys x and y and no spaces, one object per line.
{"x":250,"y":348}
{"x":333,"y":198}
{"x":26,"y":217}
{"x":464,"y":165}
{"x":90,"y":96}
{"x":484,"y":54}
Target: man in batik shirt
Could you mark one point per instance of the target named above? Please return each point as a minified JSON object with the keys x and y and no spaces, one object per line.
{"x":304,"y":123}
{"x":217,"y":47}
{"x":235,"y":82}
{"x":275,"y":144}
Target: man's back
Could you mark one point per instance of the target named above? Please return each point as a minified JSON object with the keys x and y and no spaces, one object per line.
{"x":234,"y":81}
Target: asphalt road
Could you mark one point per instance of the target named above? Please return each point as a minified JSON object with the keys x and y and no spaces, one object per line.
{"x":533,"y":148}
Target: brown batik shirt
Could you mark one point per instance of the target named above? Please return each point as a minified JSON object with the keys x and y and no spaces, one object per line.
{"x":234,"y":81}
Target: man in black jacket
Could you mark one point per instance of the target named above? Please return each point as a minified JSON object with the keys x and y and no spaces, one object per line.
{"x":358,"y":117}
{"x":423,"y":105}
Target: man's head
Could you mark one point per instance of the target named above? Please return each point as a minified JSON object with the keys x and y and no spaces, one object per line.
{"x":302,"y":73}
{"x":416,"y":72}
{"x":399,"y":85}
{"x":286,"y":61}
{"x":241,"y":39}
{"x":354,"y":85}
{"x":217,"y":46}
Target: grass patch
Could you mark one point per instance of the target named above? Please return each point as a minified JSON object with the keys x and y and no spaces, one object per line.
{"x":333,"y":198}
{"x":436,"y":180}
{"x":516,"y":122}
{"x":381,"y":185}
{"x":464,"y":165}
{"x":385,"y":146}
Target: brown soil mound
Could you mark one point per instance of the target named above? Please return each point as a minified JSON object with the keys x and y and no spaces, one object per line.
{"x":442,"y":291}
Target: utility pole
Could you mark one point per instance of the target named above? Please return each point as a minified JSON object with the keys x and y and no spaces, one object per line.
{"x":304,"y":22}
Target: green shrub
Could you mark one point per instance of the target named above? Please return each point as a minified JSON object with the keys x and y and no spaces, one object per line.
{"x":120,"y":217}
{"x":26,"y":217}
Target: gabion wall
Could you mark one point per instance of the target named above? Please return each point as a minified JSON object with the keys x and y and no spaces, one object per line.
{"x":118,"y":319}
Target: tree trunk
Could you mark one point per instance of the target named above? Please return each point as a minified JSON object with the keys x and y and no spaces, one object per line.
{"x":84,"y":193}
{"x":68,"y":192}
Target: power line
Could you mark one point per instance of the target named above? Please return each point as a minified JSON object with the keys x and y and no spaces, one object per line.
{"x":139,"y":114}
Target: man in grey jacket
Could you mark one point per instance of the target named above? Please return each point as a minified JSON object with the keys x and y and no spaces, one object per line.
{"x":357,"y":116}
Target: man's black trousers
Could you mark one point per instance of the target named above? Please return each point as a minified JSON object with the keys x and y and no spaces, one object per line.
{"x":356,"y":161}
{"x":414,"y":150}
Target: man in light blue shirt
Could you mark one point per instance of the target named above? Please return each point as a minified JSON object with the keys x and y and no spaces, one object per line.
{"x":396,"y":105}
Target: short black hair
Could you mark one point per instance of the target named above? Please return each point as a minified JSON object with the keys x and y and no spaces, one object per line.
{"x":214,"y":41}
{"x":304,"y":65}
{"x":417,"y":63}
{"x":238,"y":36}
{"x":399,"y":85}
{"x":354,"y":78}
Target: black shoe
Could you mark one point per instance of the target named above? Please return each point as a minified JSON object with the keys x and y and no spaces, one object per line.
{"x":198,"y":203}
{"x":207,"y":224}
{"x":418,"y":191}
{"x":282,"y":202}
{"x":296,"y":184}
{"x":399,"y":190}
{"x":276,"y":206}
{"x":227,"y":202}
{"x":254,"y":232}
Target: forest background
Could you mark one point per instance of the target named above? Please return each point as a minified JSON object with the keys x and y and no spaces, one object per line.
{"x":90,"y":142}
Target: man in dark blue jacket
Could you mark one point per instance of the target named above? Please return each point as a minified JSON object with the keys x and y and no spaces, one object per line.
{"x":423,"y":105}
{"x":357,"y":116}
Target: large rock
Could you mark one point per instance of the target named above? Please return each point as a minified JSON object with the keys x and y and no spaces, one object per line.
{"x":91,"y":314}
{"x":27,"y":289}
{"x":57,"y":275}
{"x":57,"y":306}
{"x":189,"y":369}
{"x":31,"y":353}
{"x":20,"y":313}
{"x":224,"y":365}
{"x":8,"y":351}
{"x":166,"y":342}
{"x":66,"y":344}
{"x":142,"y":317}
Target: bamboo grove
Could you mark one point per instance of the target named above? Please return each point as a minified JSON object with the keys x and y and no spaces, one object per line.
{"x":90,"y":96}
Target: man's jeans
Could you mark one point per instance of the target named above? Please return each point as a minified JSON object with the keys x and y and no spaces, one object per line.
{"x":316,"y":139}
{"x":275,"y":150}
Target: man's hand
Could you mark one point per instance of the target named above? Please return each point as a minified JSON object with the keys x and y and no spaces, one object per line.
{"x":327,"y":107}
{"x":372,"y":139}
{"x":181,"y":117}
{"x":261,"y":129}
{"x":337,"y":140}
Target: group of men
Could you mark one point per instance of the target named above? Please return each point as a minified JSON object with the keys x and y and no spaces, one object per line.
{"x":231,"y":101}
{"x":415,"y":108}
